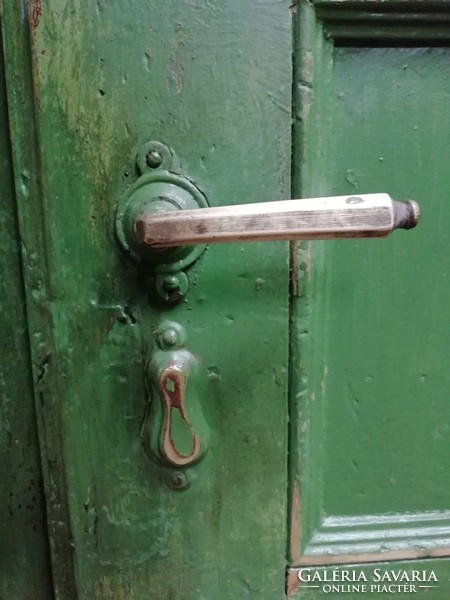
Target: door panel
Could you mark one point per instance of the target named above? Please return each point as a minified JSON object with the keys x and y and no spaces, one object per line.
{"x":212,"y":80}
{"x":371,"y":437}
{"x":24,"y":554}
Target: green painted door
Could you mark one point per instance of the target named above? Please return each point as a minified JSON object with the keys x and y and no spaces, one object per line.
{"x":319,"y":386}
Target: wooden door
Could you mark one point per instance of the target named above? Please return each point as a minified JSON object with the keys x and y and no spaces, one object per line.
{"x":321,"y":372}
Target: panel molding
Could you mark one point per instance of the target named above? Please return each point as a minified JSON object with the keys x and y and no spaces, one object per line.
{"x":380,"y":535}
{"x":388,"y":20}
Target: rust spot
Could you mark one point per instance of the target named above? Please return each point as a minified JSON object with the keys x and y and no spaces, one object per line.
{"x":296,"y":525}
{"x":36,"y":12}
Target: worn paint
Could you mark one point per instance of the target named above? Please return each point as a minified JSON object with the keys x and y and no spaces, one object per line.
{"x":22,"y":106}
{"x":113,"y":76}
{"x":25,"y":560}
{"x":35,"y":12}
{"x":172,"y":386}
{"x":292,"y":583}
{"x":296,"y":524}
{"x":175,"y":433}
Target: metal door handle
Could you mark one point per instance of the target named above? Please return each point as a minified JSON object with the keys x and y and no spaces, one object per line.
{"x":164,"y":222}
{"x":370,"y":215}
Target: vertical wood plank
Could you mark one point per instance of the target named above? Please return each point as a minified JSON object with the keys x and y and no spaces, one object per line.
{"x":24,"y":553}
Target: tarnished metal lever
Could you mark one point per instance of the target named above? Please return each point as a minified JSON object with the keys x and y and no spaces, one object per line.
{"x":164,"y":222}
{"x":369,"y":215}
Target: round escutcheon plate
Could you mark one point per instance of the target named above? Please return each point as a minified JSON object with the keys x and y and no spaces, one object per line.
{"x":157,"y":190}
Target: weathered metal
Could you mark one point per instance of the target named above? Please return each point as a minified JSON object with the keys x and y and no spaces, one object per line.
{"x":175,"y":432}
{"x":369,"y":215}
{"x":158,"y":189}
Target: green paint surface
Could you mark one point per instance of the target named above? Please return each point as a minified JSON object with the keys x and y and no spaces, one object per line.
{"x":24,"y":556}
{"x":387,"y":332}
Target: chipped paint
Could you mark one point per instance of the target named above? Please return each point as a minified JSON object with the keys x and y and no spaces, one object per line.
{"x":172,"y":385}
{"x":324,"y":380}
{"x":169,"y":435}
{"x":292,"y":583}
{"x":35,"y":13}
{"x":296,"y":524}
{"x":176,"y":70}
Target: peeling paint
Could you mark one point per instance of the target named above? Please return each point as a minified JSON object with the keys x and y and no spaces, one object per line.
{"x":172,"y":385}
{"x":35,"y":13}
{"x":176,"y":71}
{"x":296,"y":525}
{"x":324,"y":379}
{"x":292,"y":583}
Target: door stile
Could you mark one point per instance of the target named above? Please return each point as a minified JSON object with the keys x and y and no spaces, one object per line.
{"x":312,"y":64}
{"x":31,"y":212}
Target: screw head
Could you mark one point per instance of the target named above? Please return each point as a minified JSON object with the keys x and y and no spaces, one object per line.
{"x":171,"y":283}
{"x":172,"y":288}
{"x":153,"y":159}
{"x":177,"y":481}
{"x":170,"y":337}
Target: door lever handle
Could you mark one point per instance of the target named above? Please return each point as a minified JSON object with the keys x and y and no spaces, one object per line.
{"x":369,"y":215}
{"x":163,"y":221}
